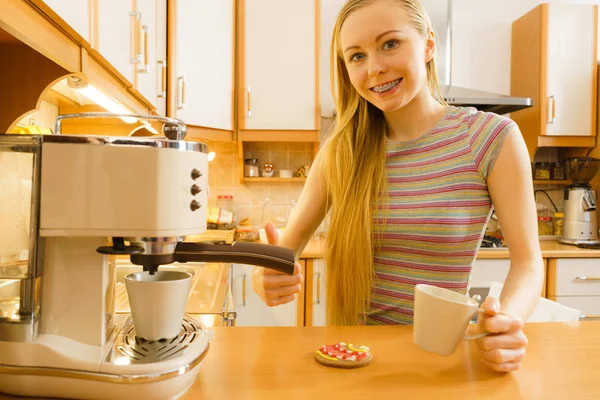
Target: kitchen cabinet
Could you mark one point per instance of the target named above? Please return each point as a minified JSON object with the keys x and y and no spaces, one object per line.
{"x":575,"y":282}
{"x":118,"y":32}
{"x":315,"y":292}
{"x":151,"y":71}
{"x":201,"y":61}
{"x":278,"y":70}
{"x":74,"y":13}
{"x":252,"y":311}
{"x":554,"y":62}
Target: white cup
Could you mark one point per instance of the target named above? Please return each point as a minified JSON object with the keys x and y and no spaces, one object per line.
{"x":158,"y":302}
{"x":441,"y":318}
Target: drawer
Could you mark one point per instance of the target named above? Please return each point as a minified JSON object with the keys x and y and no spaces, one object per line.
{"x":578,"y":277}
{"x":486,"y":271}
{"x":588,"y":305}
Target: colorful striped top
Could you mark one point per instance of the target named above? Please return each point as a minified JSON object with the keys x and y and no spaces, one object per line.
{"x":438,"y":207}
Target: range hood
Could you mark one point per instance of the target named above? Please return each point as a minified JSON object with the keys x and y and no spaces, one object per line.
{"x":440,"y":13}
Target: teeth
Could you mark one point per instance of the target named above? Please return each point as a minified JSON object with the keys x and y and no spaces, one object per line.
{"x":386,"y":87}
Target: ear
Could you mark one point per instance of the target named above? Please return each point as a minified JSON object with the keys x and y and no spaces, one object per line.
{"x":429,"y":45}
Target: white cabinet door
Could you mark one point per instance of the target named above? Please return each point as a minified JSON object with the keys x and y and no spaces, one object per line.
{"x":117,"y":25}
{"x":75,"y":13}
{"x":318,"y":300}
{"x":571,"y":63}
{"x":588,"y":305}
{"x":578,"y":277}
{"x":279,"y":64}
{"x":204,"y":62}
{"x":251,"y":310}
{"x":153,"y":43}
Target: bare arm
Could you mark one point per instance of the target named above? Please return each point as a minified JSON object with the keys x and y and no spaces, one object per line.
{"x":309,"y":211}
{"x":511,"y":189}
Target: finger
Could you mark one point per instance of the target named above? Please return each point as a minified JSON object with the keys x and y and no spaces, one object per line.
{"x":505,"y":367}
{"x":283,"y":291}
{"x":502,"y":356}
{"x":272,"y":234}
{"x":502,"y":323}
{"x":491,"y":306}
{"x":281,"y":300}
{"x":493,"y":342}
{"x":276,"y":281}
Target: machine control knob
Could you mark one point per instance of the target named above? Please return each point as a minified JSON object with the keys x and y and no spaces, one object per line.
{"x":195,"y":190}
{"x":194,"y":205}
{"x":196,"y":174}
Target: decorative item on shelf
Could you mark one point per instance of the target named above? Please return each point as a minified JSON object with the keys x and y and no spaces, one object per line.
{"x":300,"y":172}
{"x":285,"y":173}
{"x":267,"y":171}
{"x":251,"y":167}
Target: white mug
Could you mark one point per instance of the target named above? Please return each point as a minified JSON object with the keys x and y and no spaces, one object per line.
{"x":158,"y":302}
{"x":441,"y":317}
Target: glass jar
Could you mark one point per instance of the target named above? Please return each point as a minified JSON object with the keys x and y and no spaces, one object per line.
{"x":545,"y":227}
{"x":542,"y":170}
{"x":557,"y":172}
{"x":558,"y":222}
{"x":251,"y":167}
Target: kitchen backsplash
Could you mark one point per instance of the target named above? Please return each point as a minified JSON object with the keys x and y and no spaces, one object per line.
{"x":261,"y":202}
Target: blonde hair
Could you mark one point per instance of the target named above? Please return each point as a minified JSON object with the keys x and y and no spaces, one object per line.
{"x":354,"y":170}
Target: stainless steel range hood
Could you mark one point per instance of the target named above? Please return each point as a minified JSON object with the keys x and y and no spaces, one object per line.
{"x":441,"y":15}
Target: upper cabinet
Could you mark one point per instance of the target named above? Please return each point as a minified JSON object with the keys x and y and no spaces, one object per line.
{"x":278,"y":67}
{"x":74,"y":13}
{"x":201,"y":62}
{"x":151,"y":71}
{"x":119,"y":31}
{"x":554,"y":62}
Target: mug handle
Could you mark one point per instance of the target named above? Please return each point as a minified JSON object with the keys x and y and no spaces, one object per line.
{"x":476,"y":336}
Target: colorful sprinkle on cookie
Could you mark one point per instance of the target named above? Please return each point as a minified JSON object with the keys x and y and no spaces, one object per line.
{"x":342,"y":355}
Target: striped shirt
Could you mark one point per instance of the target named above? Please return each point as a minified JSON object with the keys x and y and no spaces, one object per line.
{"x":438,"y":207}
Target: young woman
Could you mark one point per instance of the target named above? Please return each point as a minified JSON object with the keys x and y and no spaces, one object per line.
{"x":410,"y":183}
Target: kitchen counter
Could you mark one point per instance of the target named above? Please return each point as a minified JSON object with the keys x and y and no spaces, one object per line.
{"x":562,"y":362}
{"x":550,"y":249}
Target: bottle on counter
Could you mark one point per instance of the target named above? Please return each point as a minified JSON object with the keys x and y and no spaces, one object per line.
{"x":545,"y":227}
{"x":557,"y":224}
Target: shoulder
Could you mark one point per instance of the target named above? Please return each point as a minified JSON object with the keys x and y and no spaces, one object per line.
{"x":480,"y":123}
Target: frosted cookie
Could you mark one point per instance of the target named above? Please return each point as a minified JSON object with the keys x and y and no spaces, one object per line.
{"x":340,"y":355}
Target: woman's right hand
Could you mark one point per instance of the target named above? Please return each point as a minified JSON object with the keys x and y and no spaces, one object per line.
{"x":272,"y":286}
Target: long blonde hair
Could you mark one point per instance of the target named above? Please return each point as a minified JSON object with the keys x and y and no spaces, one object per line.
{"x":354,"y":170}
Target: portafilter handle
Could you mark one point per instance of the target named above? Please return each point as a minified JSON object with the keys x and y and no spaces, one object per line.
{"x":278,"y":258}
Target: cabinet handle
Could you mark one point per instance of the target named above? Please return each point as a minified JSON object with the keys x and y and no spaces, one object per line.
{"x":249,"y":115}
{"x":552,"y":110}
{"x":588,"y":278}
{"x":583,"y":316}
{"x":244,"y":290}
{"x":181,"y":85}
{"x":135,"y":54}
{"x":146,"y":68}
{"x":318,"y":288}
{"x":162,"y":91}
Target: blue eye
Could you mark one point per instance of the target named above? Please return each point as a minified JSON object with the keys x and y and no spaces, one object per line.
{"x":390,"y":44}
{"x":357,"y":57}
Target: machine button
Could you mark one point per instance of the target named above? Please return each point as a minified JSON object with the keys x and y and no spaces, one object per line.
{"x":194,"y":205}
{"x":196,"y":174}
{"x":195,"y":190}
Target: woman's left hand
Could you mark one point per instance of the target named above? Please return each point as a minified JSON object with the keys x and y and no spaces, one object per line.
{"x":503,"y":348}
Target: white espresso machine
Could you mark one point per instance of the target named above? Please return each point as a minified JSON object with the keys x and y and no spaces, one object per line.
{"x":68,"y":206}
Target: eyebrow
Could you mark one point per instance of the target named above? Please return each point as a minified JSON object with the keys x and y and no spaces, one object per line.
{"x":376,"y":39}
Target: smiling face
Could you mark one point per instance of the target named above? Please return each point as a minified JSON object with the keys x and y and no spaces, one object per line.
{"x":385,"y":55}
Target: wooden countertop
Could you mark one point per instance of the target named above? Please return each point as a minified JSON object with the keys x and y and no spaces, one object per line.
{"x":550,"y":249}
{"x":562,"y":362}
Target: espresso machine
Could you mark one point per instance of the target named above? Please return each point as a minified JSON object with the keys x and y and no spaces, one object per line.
{"x":69,"y":206}
{"x":580,"y":224}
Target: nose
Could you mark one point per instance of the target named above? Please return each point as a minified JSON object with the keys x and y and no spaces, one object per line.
{"x":375,"y":66}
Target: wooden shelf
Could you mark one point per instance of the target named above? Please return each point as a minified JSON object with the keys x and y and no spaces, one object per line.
{"x":564,"y":182}
{"x":274,"y":179}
